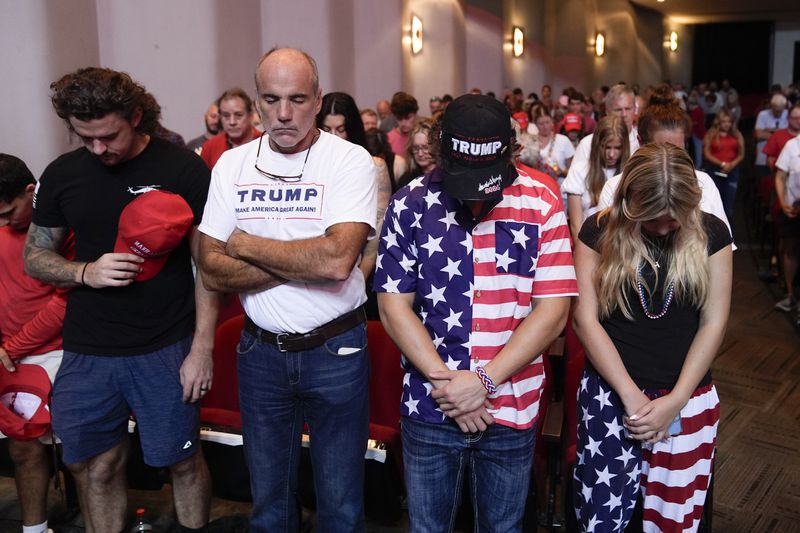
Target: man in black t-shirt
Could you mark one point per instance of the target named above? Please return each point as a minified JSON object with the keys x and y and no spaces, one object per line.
{"x":138,"y":331}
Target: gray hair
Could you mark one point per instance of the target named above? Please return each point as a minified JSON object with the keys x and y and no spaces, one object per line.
{"x":778,"y":100}
{"x":311,"y":62}
{"x":615,"y":92}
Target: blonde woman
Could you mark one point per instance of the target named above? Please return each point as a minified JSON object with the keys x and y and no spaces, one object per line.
{"x":609,"y":153}
{"x":654,"y":275}
{"x":418,"y":153}
{"x":723,"y":150}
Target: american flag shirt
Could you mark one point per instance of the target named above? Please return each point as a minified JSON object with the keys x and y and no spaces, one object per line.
{"x":475,"y":281}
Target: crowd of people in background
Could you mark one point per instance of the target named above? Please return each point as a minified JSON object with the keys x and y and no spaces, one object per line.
{"x":415,"y":218}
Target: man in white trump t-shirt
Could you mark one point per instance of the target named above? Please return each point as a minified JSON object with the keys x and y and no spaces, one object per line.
{"x":286,"y":219}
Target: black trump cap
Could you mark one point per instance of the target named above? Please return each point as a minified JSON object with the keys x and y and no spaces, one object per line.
{"x":476,"y":133}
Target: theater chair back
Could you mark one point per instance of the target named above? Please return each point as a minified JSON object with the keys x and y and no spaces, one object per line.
{"x":230,"y":479}
{"x":224,"y":393}
{"x":386,"y":384}
{"x":575,"y":359}
{"x":383,"y":492}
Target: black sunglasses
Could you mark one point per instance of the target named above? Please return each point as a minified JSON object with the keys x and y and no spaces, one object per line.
{"x":285,"y":179}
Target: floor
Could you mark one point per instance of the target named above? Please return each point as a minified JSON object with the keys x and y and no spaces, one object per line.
{"x":757,"y":372}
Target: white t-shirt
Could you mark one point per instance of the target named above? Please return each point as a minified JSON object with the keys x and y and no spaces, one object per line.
{"x":338,"y":185}
{"x":580,"y":163}
{"x":765,"y":121}
{"x":789,"y":162}
{"x":574,"y":184}
{"x":710,"y":201}
{"x":557,"y":151}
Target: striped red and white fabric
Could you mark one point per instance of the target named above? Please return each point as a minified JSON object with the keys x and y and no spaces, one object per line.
{"x":676,"y":473}
{"x":506,"y":296}
{"x":612,"y":471}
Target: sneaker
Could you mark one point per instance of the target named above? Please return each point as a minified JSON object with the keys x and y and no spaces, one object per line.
{"x":787,"y":304}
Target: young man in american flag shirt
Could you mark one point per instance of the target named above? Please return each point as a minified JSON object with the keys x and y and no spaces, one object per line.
{"x":474,"y":275}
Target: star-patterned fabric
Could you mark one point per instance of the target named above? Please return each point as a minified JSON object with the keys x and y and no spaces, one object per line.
{"x":474,"y":283}
{"x":673,"y":476}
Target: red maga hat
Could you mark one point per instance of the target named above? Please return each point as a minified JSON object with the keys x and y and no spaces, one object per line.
{"x":572,"y":122}
{"x":151,"y":226}
{"x":24,"y":399}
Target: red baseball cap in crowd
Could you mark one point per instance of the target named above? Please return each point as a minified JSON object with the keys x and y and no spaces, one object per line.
{"x":151,"y":226}
{"x":24,"y":402}
{"x":572,"y":122}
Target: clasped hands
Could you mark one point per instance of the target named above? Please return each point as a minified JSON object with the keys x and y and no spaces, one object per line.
{"x":650,"y":419}
{"x":462,"y":396}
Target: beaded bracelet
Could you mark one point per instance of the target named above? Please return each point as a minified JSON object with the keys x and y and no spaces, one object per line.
{"x":486,"y":380}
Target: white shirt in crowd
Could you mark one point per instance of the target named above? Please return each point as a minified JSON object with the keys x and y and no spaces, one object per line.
{"x":337,"y":185}
{"x":789,"y":162}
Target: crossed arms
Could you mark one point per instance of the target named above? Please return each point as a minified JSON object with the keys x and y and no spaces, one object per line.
{"x":250,"y":263}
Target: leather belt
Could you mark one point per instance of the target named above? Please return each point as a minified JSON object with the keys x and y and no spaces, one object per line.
{"x":297,"y":342}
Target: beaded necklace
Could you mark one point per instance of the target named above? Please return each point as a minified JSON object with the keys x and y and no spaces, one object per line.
{"x":643,"y":300}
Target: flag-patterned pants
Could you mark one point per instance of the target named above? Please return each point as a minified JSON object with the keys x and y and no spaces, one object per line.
{"x":673,"y":476}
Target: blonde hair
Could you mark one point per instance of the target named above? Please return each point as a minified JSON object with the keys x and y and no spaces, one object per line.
{"x":714,"y":131}
{"x":658,"y":179}
{"x":422,"y":126}
{"x":610,"y":127}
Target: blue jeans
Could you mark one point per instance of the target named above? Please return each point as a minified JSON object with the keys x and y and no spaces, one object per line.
{"x":278,"y":392}
{"x":697,"y":142}
{"x":727,"y":190}
{"x":438,"y":456}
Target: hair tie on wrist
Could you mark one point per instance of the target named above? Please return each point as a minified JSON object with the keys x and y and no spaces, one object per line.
{"x":83,"y":273}
{"x":486,"y":380}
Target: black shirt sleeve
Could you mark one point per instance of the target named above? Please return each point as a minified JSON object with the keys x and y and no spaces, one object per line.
{"x":718,"y":234}
{"x":194,"y":185}
{"x":46,"y":206}
{"x":590,"y":231}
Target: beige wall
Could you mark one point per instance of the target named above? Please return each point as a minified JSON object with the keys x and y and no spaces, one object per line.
{"x":187,"y":51}
{"x":40,"y":41}
{"x":678,"y":64}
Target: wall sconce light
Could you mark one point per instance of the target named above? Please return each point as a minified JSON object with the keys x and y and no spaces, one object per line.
{"x":600,"y":44}
{"x":518,"y":41}
{"x":673,"y":41}
{"x":416,"y":34}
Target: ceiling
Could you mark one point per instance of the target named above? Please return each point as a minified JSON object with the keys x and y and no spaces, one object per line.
{"x":701,"y":11}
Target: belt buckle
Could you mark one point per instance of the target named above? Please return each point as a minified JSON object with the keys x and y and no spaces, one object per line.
{"x":279,"y":338}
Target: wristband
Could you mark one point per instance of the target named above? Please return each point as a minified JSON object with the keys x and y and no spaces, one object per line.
{"x":486,"y":380}
{"x":83,"y":273}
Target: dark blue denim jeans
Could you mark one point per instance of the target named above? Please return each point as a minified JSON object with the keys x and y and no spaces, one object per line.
{"x":727,"y":190}
{"x":328,"y":390}
{"x":437,"y":457}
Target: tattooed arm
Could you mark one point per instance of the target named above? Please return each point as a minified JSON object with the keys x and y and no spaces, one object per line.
{"x":370,"y":253}
{"x":43,"y":262}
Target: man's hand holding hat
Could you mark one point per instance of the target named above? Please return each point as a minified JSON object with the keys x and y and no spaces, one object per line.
{"x":150,"y":227}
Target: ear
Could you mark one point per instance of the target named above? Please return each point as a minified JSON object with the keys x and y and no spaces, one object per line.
{"x":136,"y":118}
{"x":318,"y":106}
{"x":30,"y":188}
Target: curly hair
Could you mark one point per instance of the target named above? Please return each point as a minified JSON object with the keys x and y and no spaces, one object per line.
{"x":93,"y":92}
{"x":14,"y":178}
